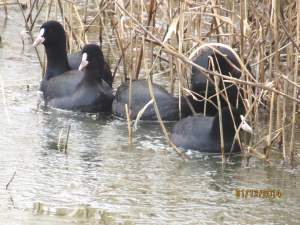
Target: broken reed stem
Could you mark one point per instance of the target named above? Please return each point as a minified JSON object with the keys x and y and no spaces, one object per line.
{"x":258,"y":155}
{"x":66,"y":145}
{"x":128,"y":123}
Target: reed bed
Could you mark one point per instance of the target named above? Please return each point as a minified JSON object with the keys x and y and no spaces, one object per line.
{"x":161,"y":38}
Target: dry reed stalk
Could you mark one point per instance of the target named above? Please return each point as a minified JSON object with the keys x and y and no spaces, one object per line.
{"x":289,"y":66}
{"x":217,"y":20}
{"x":205,"y":101}
{"x":130,"y":98}
{"x":62,"y":13}
{"x":290,"y":49}
{"x":70,"y":15}
{"x":85,"y":11}
{"x":49,"y":4}
{"x":29,"y":17}
{"x":267,"y":149}
{"x":232,"y":17}
{"x":151,"y":15}
{"x":23,"y":4}
{"x":120,"y":43}
{"x":258,"y":155}
{"x":128,"y":123}
{"x":5,"y":6}
{"x":100,"y":30}
{"x":161,"y":123}
{"x":283,"y":136}
{"x":172,"y":78}
{"x":36,"y":16}
{"x":158,"y":114}
{"x":217,"y":80}
{"x":276,"y":132}
{"x":180,"y":66}
{"x":55,"y":10}
{"x":294,"y":93}
{"x":66,"y":23}
{"x":108,"y":39}
{"x":85,"y":40}
{"x":276,"y":60}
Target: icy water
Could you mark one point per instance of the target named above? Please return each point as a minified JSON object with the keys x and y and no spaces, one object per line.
{"x":105,"y":180}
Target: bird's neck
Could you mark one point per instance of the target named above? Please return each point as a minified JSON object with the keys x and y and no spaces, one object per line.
{"x":93,"y":75}
{"x":57,"y":61}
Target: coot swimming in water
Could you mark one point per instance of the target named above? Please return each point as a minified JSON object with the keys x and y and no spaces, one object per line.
{"x":89,"y":95}
{"x":203,"y":133}
{"x":167,"y":104}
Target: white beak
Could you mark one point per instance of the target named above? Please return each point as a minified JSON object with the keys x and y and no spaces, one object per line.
{"x":84,"y":62}
{"x":245,"y":126}
{"x":40,"y":39}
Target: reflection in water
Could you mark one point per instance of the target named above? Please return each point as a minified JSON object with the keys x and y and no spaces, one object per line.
{"x":103,"y":179}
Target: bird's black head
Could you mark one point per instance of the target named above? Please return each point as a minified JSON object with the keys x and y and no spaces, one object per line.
{"x":51,"y":34}
{"x":92,"y":57}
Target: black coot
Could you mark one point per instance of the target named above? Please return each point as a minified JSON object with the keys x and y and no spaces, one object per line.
{"x":203,"y":133}
{"x":89,"y":95}
{"x":168,"y":105}
{"x":221,"y":65}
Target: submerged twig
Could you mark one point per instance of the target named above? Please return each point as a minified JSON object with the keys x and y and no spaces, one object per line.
{"x":10,"y":180}
{"x":66,"y":145}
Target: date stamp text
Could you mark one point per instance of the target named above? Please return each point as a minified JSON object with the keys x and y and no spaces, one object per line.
{"x":257,"y":193}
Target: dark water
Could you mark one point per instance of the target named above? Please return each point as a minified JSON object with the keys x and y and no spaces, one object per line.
{"x":105,"y":180}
